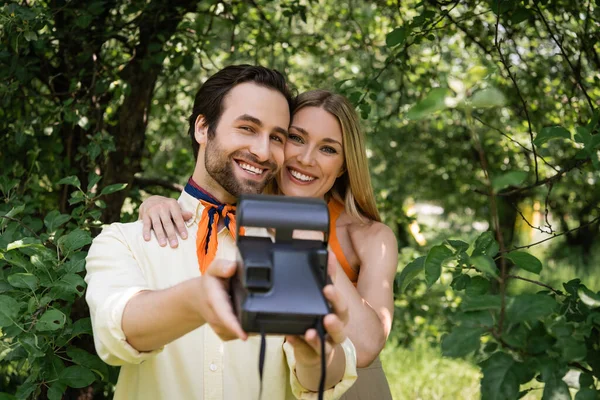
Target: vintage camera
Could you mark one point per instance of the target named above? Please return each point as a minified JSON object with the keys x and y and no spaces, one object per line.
{"x":278,"y":287}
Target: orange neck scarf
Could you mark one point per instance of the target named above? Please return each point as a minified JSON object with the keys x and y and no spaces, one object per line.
{"x":207,"y":241}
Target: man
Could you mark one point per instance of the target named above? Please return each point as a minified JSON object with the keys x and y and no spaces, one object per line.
{"x":164,"y":314}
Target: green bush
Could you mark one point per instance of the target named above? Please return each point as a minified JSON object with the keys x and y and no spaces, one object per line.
{"x":46,"y":344}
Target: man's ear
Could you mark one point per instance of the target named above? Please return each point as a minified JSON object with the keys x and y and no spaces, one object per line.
{"x":201,"y":130}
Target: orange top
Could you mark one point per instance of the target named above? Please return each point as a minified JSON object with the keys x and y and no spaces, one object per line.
{"x":335,"y":210}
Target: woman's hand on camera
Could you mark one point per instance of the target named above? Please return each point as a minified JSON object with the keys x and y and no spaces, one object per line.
{"x":165,"y":217}
{"x":307,"y":348}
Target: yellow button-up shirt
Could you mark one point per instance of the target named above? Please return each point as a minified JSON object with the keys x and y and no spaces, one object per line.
{"x":198,"y":365}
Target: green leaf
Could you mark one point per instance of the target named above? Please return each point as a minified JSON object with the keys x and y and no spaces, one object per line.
{"x":488,"y":98}
{"x":481,"y":302}
{"x":409,"y":272}
{"x":77,"y":376}
{"x":56,"y":391}
{"x":586,"y":394}
{"x":75,"y":264}
{"x":474,"y":319}
{"x":434,"y":101}
{"x":433,"y":263}
{"x":9,"y":311}
{"x":6,"y":396}
{"x":22,"y":243}
{"x":585,"y":380}
{"x":23,"y":281}
{"x":556,"y":389}
{"x":551,"y":132}
{"x":478,"y":285}
{"x":71,"y":283}
{"x":485,"y":264}
{"x":486,"y":245}
{"x":51,"y":320}
{"x":30,"y":36}
{"x":460,"y":282}
{"x":31,"y":345}
{"x":588,"y":297}
{"x":82,"y":326}
{"x":113,"y":188}
{"x":396,"y":37}
{"x":54,"y":219}
{"x":520,"y":15}
{"x":461,"y":341}
{"x":85,"y":359}
{"x":458,"y":245}
{"x":529,"y":307}
{"x":75,"y":240}
{"x":525,"y":261}
{"x":571,"y":349}
{"x":70,"y":180}
{"x":499,"y":380}
{"x":511,"y":178}
{"x":11,"y":214}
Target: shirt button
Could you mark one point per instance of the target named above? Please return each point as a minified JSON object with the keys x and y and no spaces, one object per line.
{"x":212,"y":367}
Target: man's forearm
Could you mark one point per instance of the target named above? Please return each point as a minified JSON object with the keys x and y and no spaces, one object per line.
{"x":310,"y":376}
{"x":152,"y":319}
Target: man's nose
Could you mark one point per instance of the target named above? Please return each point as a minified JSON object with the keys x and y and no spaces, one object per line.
{"x":261,"y":148}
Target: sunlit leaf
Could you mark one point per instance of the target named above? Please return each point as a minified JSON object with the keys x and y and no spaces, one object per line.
{"x":434,"y":101}
{"x":526,"y":261}
{"x":410,"y":272}
{"x":551,"y":132}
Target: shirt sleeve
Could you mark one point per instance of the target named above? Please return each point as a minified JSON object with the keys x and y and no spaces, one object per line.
{"x":333,"y":393}
{"x":113,"y":278}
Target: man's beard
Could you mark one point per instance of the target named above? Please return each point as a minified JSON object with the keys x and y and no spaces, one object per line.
{"x":220,"y":167}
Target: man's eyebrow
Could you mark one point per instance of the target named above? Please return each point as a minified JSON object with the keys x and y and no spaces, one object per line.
{"x":279,"y":129}
{"x":305,"y":132}
{"x":249,"y":118}
{"x":258,"y":122}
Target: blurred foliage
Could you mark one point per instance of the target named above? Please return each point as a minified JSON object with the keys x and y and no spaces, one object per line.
{"x":484,"y":109}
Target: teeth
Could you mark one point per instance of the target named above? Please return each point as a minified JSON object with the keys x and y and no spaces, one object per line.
{"x":302,"y":177}
{"x":250,"y":168}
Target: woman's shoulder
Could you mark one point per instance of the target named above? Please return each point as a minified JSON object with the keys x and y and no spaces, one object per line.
{"x":368,"y":231}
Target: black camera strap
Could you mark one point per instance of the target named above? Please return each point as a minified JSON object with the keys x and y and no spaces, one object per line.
{"x":263,"y":351}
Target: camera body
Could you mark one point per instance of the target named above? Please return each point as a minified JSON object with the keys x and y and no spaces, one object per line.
{"x":278,"y":286}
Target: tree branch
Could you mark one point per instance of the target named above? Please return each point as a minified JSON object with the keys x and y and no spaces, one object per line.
{"x":551,"y":179}
{"x":555,"y":236}
{"x":518,"y":89}
{"x":576,"y":74}
{"x":558,"y":292}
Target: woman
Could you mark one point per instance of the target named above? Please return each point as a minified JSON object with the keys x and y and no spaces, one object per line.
{"x":325,"y":157}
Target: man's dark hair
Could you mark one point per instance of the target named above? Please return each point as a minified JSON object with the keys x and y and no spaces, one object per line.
{"x":209,"y":98}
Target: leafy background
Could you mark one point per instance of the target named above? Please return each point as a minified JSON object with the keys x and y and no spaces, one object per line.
{"x":482,"y":125}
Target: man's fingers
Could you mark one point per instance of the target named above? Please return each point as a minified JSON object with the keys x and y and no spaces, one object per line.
{"x":158,"y":230}
{"x":225,"y":323}
{"x":222,"y":268}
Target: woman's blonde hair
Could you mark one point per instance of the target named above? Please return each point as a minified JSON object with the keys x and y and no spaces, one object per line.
{"x":353,"y":188}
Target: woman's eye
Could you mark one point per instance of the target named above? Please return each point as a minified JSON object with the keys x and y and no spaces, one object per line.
{"x":329,"y":150}
{"x":295,"y":137}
